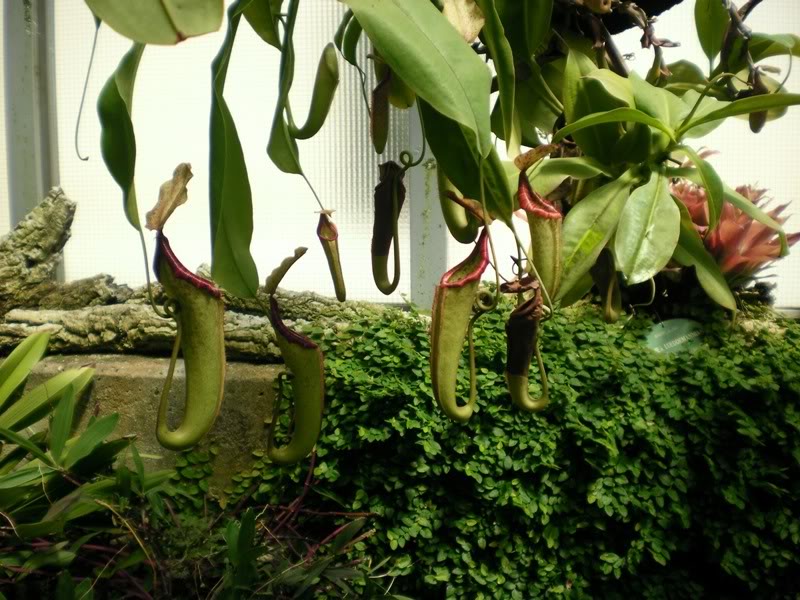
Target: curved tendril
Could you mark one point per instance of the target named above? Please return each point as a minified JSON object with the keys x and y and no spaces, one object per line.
{"x":406,"y":158}
{"x":521,"y":248}
{"x":83,"y":94}
{"x":542,"y":374}
{"x":163,"y":402}
{"x":165,"y":313}
{"x":491,"y":241}
{"x":702,"y":96}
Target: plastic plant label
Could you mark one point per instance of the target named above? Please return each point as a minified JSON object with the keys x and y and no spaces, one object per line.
{"x":675,"y":335}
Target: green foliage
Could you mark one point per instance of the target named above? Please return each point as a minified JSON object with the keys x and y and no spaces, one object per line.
{"x":61,"y":501}
{"x":649,"y":475}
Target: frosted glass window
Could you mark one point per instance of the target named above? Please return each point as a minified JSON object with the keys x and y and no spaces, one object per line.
{"x":171,"y":111}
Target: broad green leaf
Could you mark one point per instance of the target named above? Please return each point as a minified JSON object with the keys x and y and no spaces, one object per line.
{"x":25,"y":443}
{"x":617,"y":86}
{"x":583,"y":96}
{"x":90,"y":439}
{"x":282,"y":147}
{"x":40,"y":400}
{"x":62,"y":423}
{"x":740,"y":202}
{"x":427,"y":53}
{"x":704,"y":106}
{"x":538,"y":15}
{"x":712,"y":183}
{"x":589,"y":226}
{"x":690,"y":252}
{"x":454,"y":149}
{"x":648,"y":230}
{"x":656,"y":102}
{"x":536,"y":103}
{"x":742,"y":107}
{"x":548,"y":174}
{"x":262,"y":15}
{"x":51,"y":557}
{"x":117,"y":139}
{"x":685,"y":75}
{"x":14,"y":370}
{"x":159,"y":21}
{"x":763,"y":45}
{"x":711,"y":20}
{"x":618,"y":115}
{"x":503,"y":59}
{"x":230,"y":197}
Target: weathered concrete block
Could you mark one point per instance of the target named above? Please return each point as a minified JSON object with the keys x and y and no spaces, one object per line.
{"x":131,"y":386}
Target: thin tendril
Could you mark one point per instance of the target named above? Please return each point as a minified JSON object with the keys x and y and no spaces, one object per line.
{"x":313,"y":191}
{"x":532,"y":267}
{"x":707,"y":89}
{"x":405,"y":156}
{"x":83,"y":94}
{"x":156,"y":308}
{"x":489,"y":233}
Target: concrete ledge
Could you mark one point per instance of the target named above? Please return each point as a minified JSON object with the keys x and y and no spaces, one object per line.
{"x":131,"y":386}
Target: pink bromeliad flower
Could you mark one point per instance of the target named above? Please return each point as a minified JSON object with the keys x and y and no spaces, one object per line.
{"x":741,"y":246}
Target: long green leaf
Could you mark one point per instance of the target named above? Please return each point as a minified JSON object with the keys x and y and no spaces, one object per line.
{"x":538,"y":15}
{"x":503,"y":59}
{"x":62,"y":423}
{"x":690,"y":252}
{"x":14,"y":370}
{"x":459,"y":158}
{"x":742,"y":107}
{"x":262,"y":15}
{"x":40,"y":400}
{"x":711,"y":20}
{"x":427,"y":53}
{"x":159,"y":21}
{"x":648,"y":230}
{"x":230,"y":197}
{"x":712,"y":183}
{"x":25,"y":443}
{"x":549,"y":174}
{"x":618,"y":115}
{"x":282,"y":147}
{"x":91,"y":439}
{"x":25,"y":476}
{"x":117,"y":139}
{"x":589,"y":226}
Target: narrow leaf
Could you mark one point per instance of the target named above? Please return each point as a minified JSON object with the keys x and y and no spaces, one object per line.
{"x":23,"y":442}
{"x":62,"y":423}
{"x":503,"y":59}
{"x":230,"y":197}
{"x":117,"y":139}
{"x":91,"y":439}
{"x":648,"y":230}
{"x":40,"y":400}
{"x":538,"y":15}
{"x":14,"y":370}
{"x":618,"y":115}
{"x":742,"y":107}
